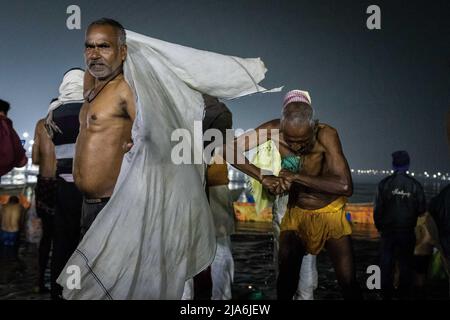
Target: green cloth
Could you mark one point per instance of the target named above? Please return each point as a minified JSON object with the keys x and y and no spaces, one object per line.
{"x":267,"y":157}
{"x":291,"y":163}
{"x":437,"y":269}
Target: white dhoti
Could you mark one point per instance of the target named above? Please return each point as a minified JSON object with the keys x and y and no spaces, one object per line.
{"x":222,"y":268}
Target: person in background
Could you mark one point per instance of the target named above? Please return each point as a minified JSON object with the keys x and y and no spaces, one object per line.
{"x":12,"y":220}
{"x":423,"y":252}
{"x":400,"y":200}
{"x":12,"y":154}
{"x":43,"y":155}
{"x":62,"y":125}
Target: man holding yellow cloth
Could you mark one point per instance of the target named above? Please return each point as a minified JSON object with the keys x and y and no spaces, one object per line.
{"x":317,"y":177}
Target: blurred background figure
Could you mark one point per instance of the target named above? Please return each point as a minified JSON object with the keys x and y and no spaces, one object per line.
{"x":12,"y":223}
{"x":400,"y":200}
{"x":423,"y":253}
{"x":12,"y":153}
{"x":43,"y":155}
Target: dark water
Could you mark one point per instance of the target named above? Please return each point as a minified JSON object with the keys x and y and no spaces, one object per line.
{"x":365,"y":191}
{"x":252,"y":248}
{"x":253,"y":253}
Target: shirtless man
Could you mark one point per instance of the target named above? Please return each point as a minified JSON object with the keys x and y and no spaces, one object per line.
{"x":11,"y":217}
{"x":43,"y":154}
{"x":318,"y":182}
{"x":106,"y":118}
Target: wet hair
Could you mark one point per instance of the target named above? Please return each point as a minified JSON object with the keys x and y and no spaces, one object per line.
{"x":4,"y":106}
{"x":71,"y":69}
{"x":113,"y":23}
{"x":298,"y":114}
{"x":13,"y":200}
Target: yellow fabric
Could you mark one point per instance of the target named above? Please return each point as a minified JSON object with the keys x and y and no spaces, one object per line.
{"x":315,"y":227}
{"x":267,"y":157}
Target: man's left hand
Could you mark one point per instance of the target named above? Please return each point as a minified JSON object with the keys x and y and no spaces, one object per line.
{"x":127,"y":146}
{"x":287,"y":175}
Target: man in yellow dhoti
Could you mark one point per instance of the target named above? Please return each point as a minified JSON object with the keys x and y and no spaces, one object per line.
{"x":316,"y":175}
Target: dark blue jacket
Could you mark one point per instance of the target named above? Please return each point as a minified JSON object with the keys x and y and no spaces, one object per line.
{"x":399,"y":201}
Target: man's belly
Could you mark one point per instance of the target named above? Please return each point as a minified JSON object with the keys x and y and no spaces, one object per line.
{"x":96,"y":181}
{"x":96,"y":174}
{"x":310,"y":200}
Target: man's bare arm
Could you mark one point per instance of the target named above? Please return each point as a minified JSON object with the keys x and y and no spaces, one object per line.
{"x":36,"y":146}
{"x":130,"y":101}
{"x":337,"y":179}
{"x":246,"y":142}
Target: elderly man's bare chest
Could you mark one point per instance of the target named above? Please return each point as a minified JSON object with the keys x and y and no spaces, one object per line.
{"x":103,"y":110}
{"x":311,"y":164}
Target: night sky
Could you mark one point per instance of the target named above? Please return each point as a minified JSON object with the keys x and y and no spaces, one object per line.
{"x":383,"y":90}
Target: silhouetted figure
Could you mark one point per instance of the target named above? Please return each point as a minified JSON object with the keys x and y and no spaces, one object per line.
{"x":399,"y":201}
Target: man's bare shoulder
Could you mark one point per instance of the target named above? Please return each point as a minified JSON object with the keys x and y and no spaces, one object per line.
{"x":40,"y":125}
{"x":121,"y":86}
{"x":327,"y":135}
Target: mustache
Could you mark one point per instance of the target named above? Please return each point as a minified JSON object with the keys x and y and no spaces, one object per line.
{"x":96,"y":62}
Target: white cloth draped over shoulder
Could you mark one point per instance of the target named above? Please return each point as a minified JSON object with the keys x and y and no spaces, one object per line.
{"x":156,"y":230}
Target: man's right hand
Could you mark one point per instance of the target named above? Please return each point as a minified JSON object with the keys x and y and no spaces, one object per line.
{"x":273,"y":184}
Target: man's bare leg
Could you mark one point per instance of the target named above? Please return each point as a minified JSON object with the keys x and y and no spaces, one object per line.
{"x":290,"y":257}
{"x":341,"y":255}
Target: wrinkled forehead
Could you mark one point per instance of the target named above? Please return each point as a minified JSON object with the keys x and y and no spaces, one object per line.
{"x":98,"y":33}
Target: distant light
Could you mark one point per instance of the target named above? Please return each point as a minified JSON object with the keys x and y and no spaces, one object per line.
{"x":407,"y":172}
{"x":30,"y":149}
{"x":250,"y":287}
{"x":25,"y":135}
{"x":31,"y":142}
{"x":352,"y":170}
{"x":439,"y":174}
{"x":412,"y":173}
{"x":434,"y":176}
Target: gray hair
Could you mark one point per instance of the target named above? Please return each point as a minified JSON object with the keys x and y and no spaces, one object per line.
{"x":113,"y":23}
{"x":298,"y":113}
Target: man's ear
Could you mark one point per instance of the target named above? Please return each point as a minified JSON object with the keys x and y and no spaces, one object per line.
{"x":123,"y":52}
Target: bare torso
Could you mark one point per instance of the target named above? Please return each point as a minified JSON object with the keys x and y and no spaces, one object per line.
{"x":324,"y":175}
{"x":11,"y":215}
{"x":313,"y":164}
{"x":44,"y":151}
{"x":105,"y":130}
